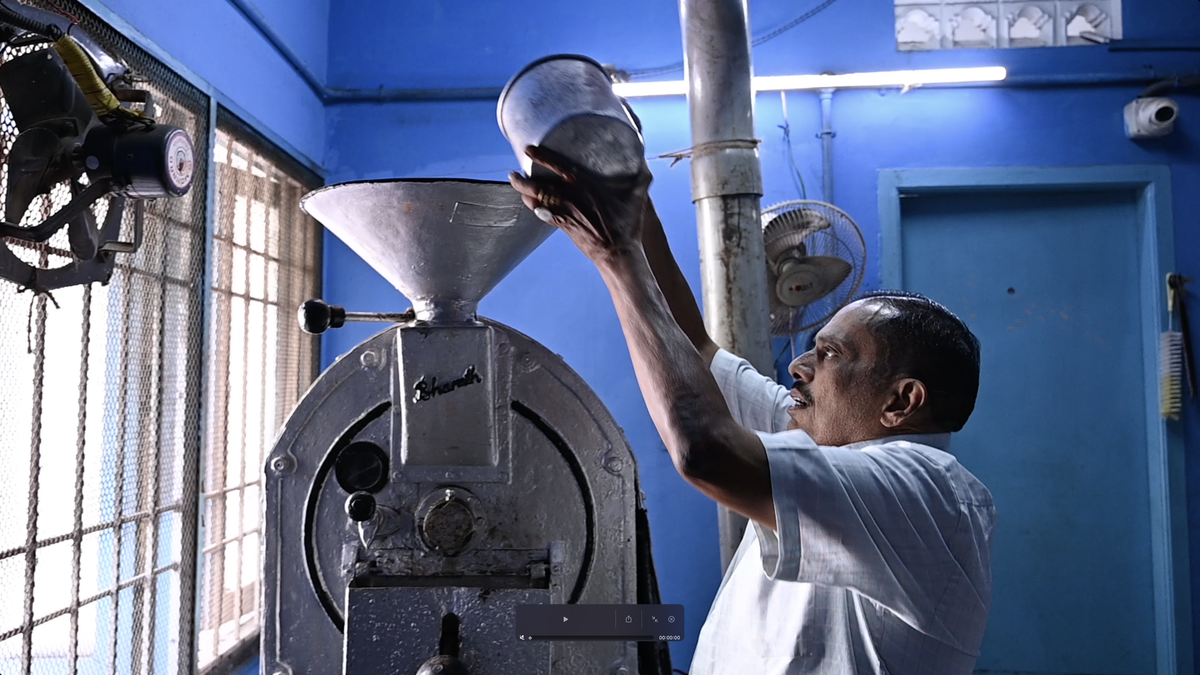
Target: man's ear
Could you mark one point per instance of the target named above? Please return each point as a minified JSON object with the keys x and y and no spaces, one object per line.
{"x":906,"y":400}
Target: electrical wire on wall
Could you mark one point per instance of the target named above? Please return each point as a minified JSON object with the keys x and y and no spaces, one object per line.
{"x":797,"y":178}
{"x":802,"y":191}
{"x":662,"y":70}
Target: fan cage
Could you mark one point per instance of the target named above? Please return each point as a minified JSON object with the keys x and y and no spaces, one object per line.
{"x":842,"y":239}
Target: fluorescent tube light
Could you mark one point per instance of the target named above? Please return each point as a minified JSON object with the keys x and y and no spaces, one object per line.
{"x":635,"y":89}
{"x":892,"y":78}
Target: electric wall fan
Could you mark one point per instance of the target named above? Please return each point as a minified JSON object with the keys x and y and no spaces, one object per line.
{"x":815,"y":256}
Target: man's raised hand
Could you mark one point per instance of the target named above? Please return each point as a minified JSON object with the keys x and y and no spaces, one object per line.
{"x":602,"y":215}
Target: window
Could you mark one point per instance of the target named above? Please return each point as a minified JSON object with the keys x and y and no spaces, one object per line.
{"x":99,"y":433}
{"x":266,"y":262}
{"x":135,"y":415}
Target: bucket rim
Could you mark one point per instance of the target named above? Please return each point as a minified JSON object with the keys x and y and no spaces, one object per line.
{"x":552,"y":57}
{"x":393,"y":181}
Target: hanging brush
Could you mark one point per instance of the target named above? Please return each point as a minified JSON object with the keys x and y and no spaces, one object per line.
{"x":1175,"y":357}
{"x":1177,"y":282}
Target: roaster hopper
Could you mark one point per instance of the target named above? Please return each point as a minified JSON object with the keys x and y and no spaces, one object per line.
{"x":447,"y":469}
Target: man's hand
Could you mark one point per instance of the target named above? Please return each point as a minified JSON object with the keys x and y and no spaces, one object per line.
{"x":603,"y":216}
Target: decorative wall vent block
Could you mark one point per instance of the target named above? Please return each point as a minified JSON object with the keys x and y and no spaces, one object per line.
{"x":1033,"y":26}
{"x":973,"y":28}
{"x":923,"y":25}
{"x":918,"y":28}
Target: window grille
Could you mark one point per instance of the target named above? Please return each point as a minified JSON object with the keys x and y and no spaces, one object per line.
{"x":100,"y":429}
{"x":266,"y":261}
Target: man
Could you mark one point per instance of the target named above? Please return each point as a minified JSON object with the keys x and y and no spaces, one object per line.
{"x":870,"y":550}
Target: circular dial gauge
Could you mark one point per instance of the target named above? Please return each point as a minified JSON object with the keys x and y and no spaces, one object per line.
{"x":181,"y":161}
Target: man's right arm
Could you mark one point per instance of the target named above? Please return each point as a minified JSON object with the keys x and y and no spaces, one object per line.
{"x":674,"y":285}
{"x":756,"y":402}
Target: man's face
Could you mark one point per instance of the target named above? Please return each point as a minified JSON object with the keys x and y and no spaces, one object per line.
{"x":838,"y":400}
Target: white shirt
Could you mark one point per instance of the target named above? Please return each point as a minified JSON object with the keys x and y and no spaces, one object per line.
{"x":881,"y":562}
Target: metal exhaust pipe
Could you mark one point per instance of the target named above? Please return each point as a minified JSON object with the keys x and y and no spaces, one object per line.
{"x":727,"y":192}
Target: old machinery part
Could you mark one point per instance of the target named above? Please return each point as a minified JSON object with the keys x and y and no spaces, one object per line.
{"x":361,"y":467}
{"x":317,"y":316}
{"x":440,"y":537}
{"x":447,"y":662}
{"x":76,"y":125}
{"x":143,"y":162}
{"x":447,"y":469}
{"x":443,"y":665}
{"x":444,"y":244}
{"x":28,"y":25}
{"x":448,"y":520}
{"x":360,"y":506}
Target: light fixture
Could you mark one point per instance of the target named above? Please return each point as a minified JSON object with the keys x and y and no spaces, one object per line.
{"x":892,"y":78}
{"x":637,"y":89}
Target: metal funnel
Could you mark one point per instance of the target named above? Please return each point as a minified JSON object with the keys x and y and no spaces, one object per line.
{"x":443,"y":243}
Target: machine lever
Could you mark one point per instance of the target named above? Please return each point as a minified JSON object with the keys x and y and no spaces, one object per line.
{"x":446,"y":663}
{"x":318,"y":316}
{"x":443,"y":665}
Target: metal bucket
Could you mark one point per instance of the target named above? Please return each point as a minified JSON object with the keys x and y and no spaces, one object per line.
{"x":566,"y":103}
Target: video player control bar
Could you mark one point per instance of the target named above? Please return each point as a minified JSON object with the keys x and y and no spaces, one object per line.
{"x":633,"y":623}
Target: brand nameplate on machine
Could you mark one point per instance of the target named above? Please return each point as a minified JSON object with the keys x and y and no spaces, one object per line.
{"x":450,"y":417}
{"x":426,"y":388}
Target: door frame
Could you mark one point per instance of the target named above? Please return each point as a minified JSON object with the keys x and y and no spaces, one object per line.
{"x":1164,"y":442}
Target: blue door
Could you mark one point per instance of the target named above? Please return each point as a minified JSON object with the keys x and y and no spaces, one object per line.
{"x":1049,"y":282}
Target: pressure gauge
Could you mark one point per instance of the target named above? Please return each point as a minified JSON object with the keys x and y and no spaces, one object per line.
{"x":181,"y":162}
{"x":143,"y":162}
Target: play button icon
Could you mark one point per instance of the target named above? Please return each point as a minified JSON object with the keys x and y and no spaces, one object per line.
{"x":564,"y":619}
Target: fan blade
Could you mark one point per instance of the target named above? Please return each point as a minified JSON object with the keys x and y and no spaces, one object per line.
{"x":40,"y":91}
{"x":781,"y":242}
{"x":802,"y":222}
{"x":28,"y":168}
{"x":806,"y":280}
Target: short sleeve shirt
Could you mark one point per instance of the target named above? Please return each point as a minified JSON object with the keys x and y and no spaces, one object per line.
{"x":880,"y":562}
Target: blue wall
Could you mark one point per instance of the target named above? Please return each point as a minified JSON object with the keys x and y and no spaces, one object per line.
{"x":303,"y":26}
{"x":557,"y":297}
{"x":213,"y":40}
{"x":463,"y":43}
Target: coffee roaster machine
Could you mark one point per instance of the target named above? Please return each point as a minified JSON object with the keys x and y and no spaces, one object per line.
{"x":447,"y":469}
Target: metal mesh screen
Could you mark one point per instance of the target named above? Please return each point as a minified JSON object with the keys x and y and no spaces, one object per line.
{"x":266,"y":261}
{"x":99,"y":431}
